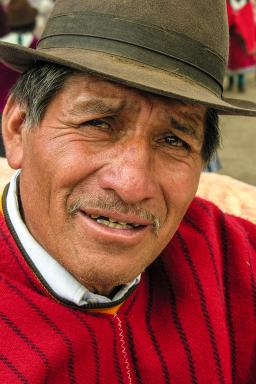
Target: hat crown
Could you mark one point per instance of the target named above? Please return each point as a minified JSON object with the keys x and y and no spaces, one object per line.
{"x":179,"y":16}
{"x":172,"y":48}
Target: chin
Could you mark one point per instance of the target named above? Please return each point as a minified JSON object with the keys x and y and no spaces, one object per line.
{"x":104,"y":280}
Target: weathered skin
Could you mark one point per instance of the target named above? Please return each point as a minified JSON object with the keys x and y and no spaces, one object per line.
{"x":138,"y":153}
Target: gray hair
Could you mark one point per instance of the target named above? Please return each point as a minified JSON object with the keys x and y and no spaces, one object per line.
{"x":36,"y":88}
{"x":38,"y":85}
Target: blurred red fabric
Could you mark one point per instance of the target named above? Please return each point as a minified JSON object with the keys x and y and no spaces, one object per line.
{"x":242,"y":36}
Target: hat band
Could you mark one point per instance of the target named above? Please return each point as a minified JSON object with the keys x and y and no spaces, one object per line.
{"x":149,"y":45}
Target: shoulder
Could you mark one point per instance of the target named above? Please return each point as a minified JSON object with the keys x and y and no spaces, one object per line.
{"x":213,"y":247}
{"x":212,"y":220}
{"x":229,"y":194}
{"x":207,"y":229}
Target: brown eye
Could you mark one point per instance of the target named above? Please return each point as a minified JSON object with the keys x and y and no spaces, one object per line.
{"x":98,"y":123}
{"x":174,"y":141}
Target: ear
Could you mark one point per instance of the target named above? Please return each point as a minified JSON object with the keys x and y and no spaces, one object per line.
{"x":12,"y":124}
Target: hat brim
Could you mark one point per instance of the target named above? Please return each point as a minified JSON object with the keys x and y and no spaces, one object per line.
{"x":128,"y":72}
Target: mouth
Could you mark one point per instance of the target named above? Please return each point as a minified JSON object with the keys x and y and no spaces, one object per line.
{"x":114,"y":229}
{"x":113,"y":223}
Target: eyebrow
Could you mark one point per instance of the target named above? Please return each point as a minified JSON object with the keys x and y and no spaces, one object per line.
{"x":186,"y":128}
{"x":97,"y":106}
{"x":194,"y":117}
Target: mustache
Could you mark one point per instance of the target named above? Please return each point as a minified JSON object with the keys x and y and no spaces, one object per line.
{"x":114,"y":204}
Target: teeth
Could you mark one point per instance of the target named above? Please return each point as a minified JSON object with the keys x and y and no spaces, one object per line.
{"x":102,"y":221}
{"x":112,"y":223}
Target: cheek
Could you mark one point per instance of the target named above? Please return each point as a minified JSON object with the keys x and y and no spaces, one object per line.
{"x":75,"y":168}
{"x":179,"y":185}
{"x":179,"y":190}
{"x":67,"y":162}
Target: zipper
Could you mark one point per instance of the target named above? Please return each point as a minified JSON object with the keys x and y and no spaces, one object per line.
{"x":123,"y":347}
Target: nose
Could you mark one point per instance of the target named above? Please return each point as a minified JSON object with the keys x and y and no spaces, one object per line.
{"x":130,"y":173}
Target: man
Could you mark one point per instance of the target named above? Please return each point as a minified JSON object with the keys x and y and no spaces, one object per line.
{"x":111,"y":271}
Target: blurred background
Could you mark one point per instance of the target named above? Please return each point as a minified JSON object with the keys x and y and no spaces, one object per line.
{"x":238,"y":150}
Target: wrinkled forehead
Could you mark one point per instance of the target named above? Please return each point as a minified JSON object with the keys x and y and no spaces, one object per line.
{"x":90,"y":89}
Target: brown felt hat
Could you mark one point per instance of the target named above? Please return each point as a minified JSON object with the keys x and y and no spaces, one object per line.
{"x":176,"y":48}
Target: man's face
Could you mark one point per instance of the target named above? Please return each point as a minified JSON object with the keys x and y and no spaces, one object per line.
{"x":108,"y":176}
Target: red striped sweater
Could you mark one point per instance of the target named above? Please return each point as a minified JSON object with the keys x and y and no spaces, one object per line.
{"x":192,"y":318}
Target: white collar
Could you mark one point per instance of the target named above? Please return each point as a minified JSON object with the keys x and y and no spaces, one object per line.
{"x":56,"y":276}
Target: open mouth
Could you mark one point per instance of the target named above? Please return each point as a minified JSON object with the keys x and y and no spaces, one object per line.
{"x":112,"y":223}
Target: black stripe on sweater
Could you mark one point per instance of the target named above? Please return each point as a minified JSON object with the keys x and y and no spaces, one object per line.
{"x":52,"y":325}
{"x":178,"y":324}
{"x":14,"y":369}
{"x":229,"y":319}
{"x":252,"y":242}
{"x":204,"y":308}
{"x":164,"y":367}
{"x":252,"y":260}
{"x":131,"y":304}
{"x":15,"y":329}
{"x":202,"y":205}
{"x":209,"y":246}
{"x":253,"y":278}
{"x":94,"y":344}
{"x":13,"y":252}
{"x":132,"y":350}
{"x":252,"y":265}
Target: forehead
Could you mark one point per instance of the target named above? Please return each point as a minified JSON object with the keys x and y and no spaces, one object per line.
{"x":88,"y":90}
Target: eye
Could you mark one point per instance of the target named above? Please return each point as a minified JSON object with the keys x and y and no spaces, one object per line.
{"x":172,"y":140}
{"x":98,"y":123}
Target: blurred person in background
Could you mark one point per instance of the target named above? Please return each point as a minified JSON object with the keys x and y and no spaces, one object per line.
{"x":17,"y":23}
{"x":3,"y":22}
{"x":242,"y":42}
